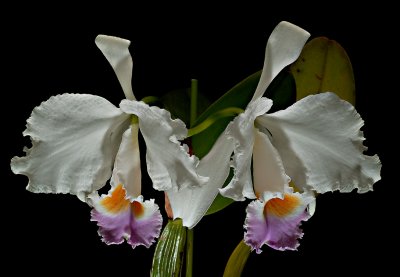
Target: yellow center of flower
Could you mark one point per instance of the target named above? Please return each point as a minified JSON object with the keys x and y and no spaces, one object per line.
{"x":116,"y":202}
{"x":282,"y":207}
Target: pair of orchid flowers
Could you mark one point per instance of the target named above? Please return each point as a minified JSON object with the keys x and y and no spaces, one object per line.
{"x":80,"y":141}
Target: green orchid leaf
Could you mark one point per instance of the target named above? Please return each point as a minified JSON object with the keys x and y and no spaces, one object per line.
{"x":237,"y":260}
{"x":282,"y":91}
{"x":324,"y":66}
{"x":177,"y":102}
{"x":220,"y":203}
{"x":169,"y":254}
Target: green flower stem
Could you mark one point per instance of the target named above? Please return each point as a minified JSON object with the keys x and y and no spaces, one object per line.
{"x":237,"y":260}
{"x":189,"y":252}
{"x":213,"y":118}
{"x":189,"y":234}
{"x":193,"y":101}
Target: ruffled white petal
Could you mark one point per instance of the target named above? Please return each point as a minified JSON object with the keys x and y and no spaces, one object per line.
{"x":321,"y":145}
{"x":190,"y":204}
{"x":127,"y":169}
{"x":116,"y":51}
{"x":168,"y":162}
{"x":75,"y":138}
{"x":268,"y":172}
{"x":242,"y":131}
{"x":283,"y":48}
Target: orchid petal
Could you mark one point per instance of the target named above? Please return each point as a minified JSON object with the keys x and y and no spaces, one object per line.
{"x":138,"y":222}
{"x":241,"y":130}
{"x":191,"y":204}
{"x":168,"y":162}
{"x":321,"y":145}
{"x":275,"y":220}
{"x":116,"y":51}
{"x":268,"y":172}
{"x":127,"y":169}
{"x":312,"y":206}
{"x":75,"y":138}
{"x":283,"y":48}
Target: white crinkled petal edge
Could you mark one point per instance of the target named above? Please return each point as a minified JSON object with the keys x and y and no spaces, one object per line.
{"x":168,"y":162}
{"x":321,"y":145}
{"x":75,"y":138}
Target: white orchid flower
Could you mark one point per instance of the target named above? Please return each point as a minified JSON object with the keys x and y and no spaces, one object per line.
{"x":317,"y":143}
{"x":77,"y":138}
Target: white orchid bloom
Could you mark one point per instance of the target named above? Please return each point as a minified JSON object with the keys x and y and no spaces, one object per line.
{"x":316,"y":142}
{"x":77,"y":138}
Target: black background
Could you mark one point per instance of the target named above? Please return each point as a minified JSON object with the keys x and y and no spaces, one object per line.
{"x":50,"y":50}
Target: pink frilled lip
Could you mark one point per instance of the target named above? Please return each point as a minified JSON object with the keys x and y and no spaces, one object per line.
{"x":276,"y":220}
{"x":136,"y":221}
